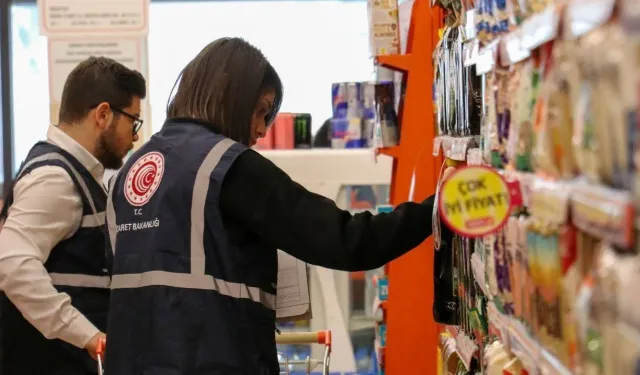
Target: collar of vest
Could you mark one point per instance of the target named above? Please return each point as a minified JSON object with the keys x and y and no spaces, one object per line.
{"x":188,"y":120}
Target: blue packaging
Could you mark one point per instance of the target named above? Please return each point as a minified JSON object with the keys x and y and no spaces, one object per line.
{"x":339,"y":130}
{"x":339,"y":100}
{"x":347,"y":133}
{"x":383,"y":288}
{"x":346,"y":124}
{"x":368,"y":100}
{"x":382,"y":334}
{"x":354,"y":137}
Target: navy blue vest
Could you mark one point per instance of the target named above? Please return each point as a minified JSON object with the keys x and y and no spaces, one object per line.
{"x":78,"y":266}
{"x":185,"y":298}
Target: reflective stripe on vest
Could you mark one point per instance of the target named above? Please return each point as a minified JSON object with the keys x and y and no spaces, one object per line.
{"x":88,"y":221}
{"x":92,"y":221}
{"x":77,"y":280}
{"x":197,"y":279}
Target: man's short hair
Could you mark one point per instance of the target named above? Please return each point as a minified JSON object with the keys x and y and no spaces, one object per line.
{"x":97,"y":80}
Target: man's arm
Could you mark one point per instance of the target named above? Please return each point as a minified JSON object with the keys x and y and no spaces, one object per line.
{"x":46,"y":209}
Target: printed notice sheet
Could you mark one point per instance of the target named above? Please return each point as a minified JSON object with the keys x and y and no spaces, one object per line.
{"x":292,"y":302}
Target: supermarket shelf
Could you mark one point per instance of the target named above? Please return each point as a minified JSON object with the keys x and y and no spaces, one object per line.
{"x":465,"y":347}
{"x":534,"y":357}
{"x":326,"y":166}
{"x":396,"y":62}
{"x":393,"y":151}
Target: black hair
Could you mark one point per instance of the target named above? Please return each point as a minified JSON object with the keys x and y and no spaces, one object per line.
{"x":222,"y":86}
{"x":97,"y":80}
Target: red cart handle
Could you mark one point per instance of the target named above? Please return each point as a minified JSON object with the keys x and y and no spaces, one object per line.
{"x":320,"y":337}
{"x":102,"y":344}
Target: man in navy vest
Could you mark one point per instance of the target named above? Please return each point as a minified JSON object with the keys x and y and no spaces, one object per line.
{"x":54,"y":270}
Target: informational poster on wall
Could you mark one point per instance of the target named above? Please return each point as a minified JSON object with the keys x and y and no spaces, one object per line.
{"x":66,"y":54}
{"x":79,"y":29}
{"x":93,"y":17}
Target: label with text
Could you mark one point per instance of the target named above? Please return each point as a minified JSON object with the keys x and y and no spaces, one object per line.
{"x":66,"y":54}
{"x":76,"y":17}
{"x":475,"y":201}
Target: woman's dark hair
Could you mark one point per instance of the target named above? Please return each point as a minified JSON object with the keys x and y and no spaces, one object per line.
{"x":222,"y":86}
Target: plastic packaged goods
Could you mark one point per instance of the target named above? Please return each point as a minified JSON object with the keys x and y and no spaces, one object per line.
{"x":383,"y":23}
{"x":520,"y":132}
{"x":289,"y":131}
{"x":556,"y":286}
{"x":364,"y":115}
{"x":490,"y":122}
{"x":458,"y":88}
{"x":386,"y":125}
{"x":552,"y":152}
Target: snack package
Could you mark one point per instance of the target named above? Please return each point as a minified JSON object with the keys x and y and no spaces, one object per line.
{"x":520,"y":271}
{"x":490,"y":122}
{"x":521,"y":129}
{"x":502,"y":267}
{"x":503,"y":112}
{"x":597,"y":297}
{"x":599,"y":123}
{"x":552,"y":151}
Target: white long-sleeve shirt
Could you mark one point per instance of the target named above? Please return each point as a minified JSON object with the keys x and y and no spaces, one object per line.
{"x":46,"y":210}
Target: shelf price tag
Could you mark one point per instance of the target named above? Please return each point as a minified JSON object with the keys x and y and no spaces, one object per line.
{"x":382,"y":334}
{"x":475,"y":201}
{"x":383,"y":289}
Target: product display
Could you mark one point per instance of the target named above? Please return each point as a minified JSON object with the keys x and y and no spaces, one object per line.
{"x":384,"y":32}
{"x":530,"y":110}
{"x":288,"y":131}
{"x":546,"y":96}
{"x":364,"y":115}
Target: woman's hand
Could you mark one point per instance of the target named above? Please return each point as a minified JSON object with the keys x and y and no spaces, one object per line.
{"x":447,"y":172}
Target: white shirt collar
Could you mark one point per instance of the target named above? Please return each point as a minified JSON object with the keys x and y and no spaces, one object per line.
{"x":61,"y":139}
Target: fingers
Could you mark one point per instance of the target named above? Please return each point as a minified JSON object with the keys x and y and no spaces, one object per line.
{"x":447,"y":173}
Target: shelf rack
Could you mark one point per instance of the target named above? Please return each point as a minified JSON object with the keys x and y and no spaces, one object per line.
{"x":412,"y":334}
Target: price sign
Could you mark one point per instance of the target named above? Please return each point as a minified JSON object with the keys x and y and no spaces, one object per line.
{"x":475,"y":201}
{"x":383,"y":289}
{"x":382,"y":334}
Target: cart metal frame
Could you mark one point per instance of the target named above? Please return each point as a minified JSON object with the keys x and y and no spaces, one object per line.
{"x":319,"y":337}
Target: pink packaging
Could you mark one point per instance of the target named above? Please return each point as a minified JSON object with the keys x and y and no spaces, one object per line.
{"x":283,"y":132}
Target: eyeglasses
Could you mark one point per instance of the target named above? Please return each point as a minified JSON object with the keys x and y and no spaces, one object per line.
{"x":137,"y":122}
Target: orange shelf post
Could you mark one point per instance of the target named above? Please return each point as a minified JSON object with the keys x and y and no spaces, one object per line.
{"x":397,"y":62}
{"x":412,"y":334}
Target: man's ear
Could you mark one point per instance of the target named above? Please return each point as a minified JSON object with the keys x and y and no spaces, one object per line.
{"x":103,"y":115}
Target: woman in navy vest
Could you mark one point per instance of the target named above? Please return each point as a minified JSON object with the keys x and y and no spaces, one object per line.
{"x":195,"y":219}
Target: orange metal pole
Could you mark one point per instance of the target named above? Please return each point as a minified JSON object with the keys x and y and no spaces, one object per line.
{"x":411,"y":331}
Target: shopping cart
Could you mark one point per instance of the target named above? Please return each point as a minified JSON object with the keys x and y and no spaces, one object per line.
{"x":100,"y":355}
{"x":320,"y":337}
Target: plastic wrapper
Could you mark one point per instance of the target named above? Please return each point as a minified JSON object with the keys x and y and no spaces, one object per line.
{"x":552,"y":152}
{"x":490,"y":120}
{"x":605,"y":108}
